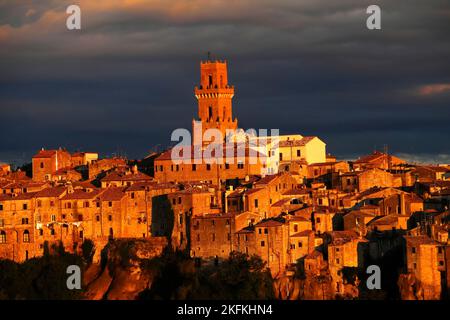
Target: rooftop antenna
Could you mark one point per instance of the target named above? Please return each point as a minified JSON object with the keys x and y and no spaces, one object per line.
{"x":209,"y":55}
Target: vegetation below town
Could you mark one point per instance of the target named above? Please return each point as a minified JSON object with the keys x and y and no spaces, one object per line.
{"x":42,"y":278}
{"x":238,"y":277}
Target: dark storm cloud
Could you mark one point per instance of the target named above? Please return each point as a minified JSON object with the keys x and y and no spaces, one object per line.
{"x":125,"y":80}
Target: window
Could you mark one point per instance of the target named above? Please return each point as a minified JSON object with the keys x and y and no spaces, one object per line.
{"x":295,"y":227}
{"x":208,"y":167}
{"x":26,"y":236}
{"x":98,"y":204}
{"x":179,"y":200}
{"x":1,"y":207}
{"x":317,"y":220}
{"x":80,"y":217}
{"x":198,"y":236}
{"x":229,"y":236}
{"x":281,"y":156}
{"x":298,"y":153}
{"x":25,"y":206}
{"x":259,"y":230}
{"x":262,"y":244}
{"x":69,"y":205}
{"x":52,"y":232}
{"x":2,"y":236}
{"x":97,"y":218}
{"x":177,"y":167}
{"x":300,"y":244}
{"x":86,"y":204}
{"x":24,"y":220}
{"x":337,"y":249}
{"x":240,"y":165}
{"x":256,"y":203}
{"x":266,"y":231}
{"x":337,"y":261}
{"x":53,"y":218}
{"x":2,"y":222}
{"x":161,"y":168}
{"x":39,"y":203}
{"x":439,"y":249}
{"x":227,"y":166}
{"x":194,"y":167}
{"x":110,"y":204}
{"x":413,"y":250}
{"x":441,"y":263}
{"x":42,"y":165}
{"x":41,"y":232}
{"x":174,"y":201}
{"x":110,"y":218}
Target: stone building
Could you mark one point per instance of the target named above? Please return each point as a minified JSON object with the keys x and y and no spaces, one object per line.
{"x":46,"y":162}
{"x":423,"y":258}
{"x":378,"y":160}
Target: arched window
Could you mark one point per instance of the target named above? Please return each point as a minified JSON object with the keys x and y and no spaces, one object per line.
{"x":26,"y":236}
{"x":2,"y":236}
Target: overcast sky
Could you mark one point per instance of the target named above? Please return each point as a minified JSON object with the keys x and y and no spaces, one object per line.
{"x":125,"y":81}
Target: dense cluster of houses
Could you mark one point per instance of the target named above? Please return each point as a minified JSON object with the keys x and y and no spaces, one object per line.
{"x":326,"y":214}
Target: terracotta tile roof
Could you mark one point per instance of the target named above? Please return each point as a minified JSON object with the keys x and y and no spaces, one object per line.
{"x":314,"y":255}
{"x":17,"y":176}
{"x":358,"y":213}
{"x":299,"y":218}
{"x":113,"y":194}
{"x":296,"y":192}
{"x":20,"y":196}
{"x":371,"y":157}
{"x":64,"y":171}
{"x":418,"y":240}
{"x":254,"y":190}
{"x":83,"y":184}
{"x":386,"y":220}
{"x":340,"y":237}
{"x":296,"y":143}
{"x":302,"y":234}
{"x":51,"y":192}
{"x":44,"y":154}
{"x":433,"y":168}
{"x":249,"y":229}
{"x":269,"y":223}
{"x":139,"y":186}
{"x":79,"y":194}
{"x":281,"y":202}
{"x":236,"y":193}
{"x":24,"y":184}
{"x":123,"y":176}
{"x":268,"y":179}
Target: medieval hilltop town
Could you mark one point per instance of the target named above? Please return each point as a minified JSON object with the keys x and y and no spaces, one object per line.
{"x":304,"y":207}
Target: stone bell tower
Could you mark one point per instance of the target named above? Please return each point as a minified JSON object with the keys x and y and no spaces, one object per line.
{"x":214,"y":98}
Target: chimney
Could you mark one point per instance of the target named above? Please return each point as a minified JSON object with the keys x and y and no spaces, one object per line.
{"x":402,"y":203}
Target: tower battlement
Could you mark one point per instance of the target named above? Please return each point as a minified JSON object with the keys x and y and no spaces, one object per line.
{"x":214,"y":96}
